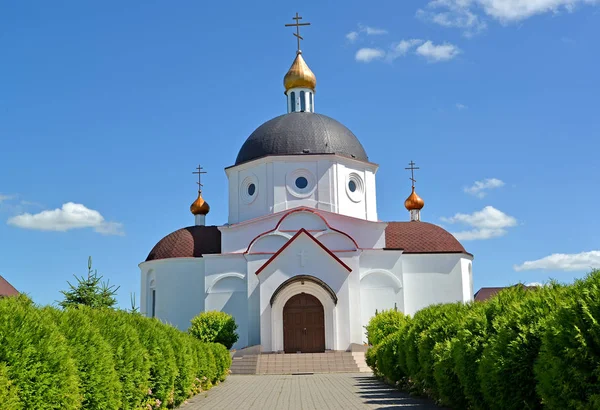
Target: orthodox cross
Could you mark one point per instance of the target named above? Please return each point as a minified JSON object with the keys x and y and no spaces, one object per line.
{"x":412,"y":172}
{"x":302,"y":255}
{"x":199,"y":172}
{"x":297,"y":24}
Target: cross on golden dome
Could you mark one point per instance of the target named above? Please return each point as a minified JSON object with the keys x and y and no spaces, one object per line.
{"x":412,"y":172}
{"x":199,"y":172}
{"x":297,"y":24}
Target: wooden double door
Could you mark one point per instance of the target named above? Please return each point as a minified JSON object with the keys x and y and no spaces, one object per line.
{"x":303,"y":325}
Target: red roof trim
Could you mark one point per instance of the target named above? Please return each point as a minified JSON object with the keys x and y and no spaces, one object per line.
{"x":292,"y":239}
{"x":300,"y":209}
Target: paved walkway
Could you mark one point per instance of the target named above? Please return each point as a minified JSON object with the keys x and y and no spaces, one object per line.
{"x":318,"y":391}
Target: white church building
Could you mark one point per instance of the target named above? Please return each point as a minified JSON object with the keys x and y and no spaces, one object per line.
{"x":303,"y":262}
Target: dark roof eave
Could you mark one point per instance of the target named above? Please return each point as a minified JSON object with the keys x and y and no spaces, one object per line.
{"x":302,"y":155}
{"x":425,"y":252}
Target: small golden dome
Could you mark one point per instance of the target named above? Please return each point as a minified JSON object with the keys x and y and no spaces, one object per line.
{"x":200,"y":206}
{"x":414,"y":201}
{"x":299,"y":75}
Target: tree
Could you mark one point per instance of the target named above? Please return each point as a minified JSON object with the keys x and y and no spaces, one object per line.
{"x":90,"y":291}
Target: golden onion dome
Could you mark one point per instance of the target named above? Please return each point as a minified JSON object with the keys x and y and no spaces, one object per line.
{"x":414,"y":201}
{"x":200,"y":206}
{"x":299,"y":75}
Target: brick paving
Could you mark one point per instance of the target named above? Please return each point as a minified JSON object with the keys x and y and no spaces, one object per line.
{"x":303,"y":392}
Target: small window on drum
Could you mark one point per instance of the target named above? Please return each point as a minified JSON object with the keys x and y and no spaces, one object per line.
{"x":251,"y":189}
{"x":310,"y":102}
{"x":293,"y":101}
{"x":302,"y":101}
{"x":352,"y":186}
{"x":301,"y":182}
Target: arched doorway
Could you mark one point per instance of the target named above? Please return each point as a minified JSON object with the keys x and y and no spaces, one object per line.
{"x":303,"y":325}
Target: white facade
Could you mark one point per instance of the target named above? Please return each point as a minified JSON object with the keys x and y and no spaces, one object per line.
{"x":344,"y":253}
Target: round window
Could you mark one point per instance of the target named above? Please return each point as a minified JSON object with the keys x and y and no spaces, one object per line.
{"x":301,"y":182}
{"x":251,"y":189}
{"x":352,"y":186}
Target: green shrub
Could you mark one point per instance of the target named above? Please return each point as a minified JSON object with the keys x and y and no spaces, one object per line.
{"x":214,"y":327}
{"x":9,"y":395}
{"x":444,"y":321}
{"x":130,"y":356}
{"x":38,"y":357}
{"x":420,"y":322}
{"x":99,"y":382}
{"x":163,"y":368}
{"x":186,"y":366}
{"x":401,"y":354}
{"x":567,"y":370}
{"x":383,"y":324}
{"x":473,"y":338}
{"x":207,"y":366}
{"x":222,"y":361}
{"x":371,"y":359}
{"x":514,"y":347}
{"x":448,"y":387}
{"x":387,"y":357}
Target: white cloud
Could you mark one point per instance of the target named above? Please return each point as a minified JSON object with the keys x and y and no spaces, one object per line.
{"x":536,"y":284}
{"x":461,"y":106}
{"x":369,"y":31}
{"x":564,"y":262}
{"x":486,"y":224}
{"x":424,"y":48}
{"x":480,"y":188}
{"x":70,"y":216}
{"x":456,"y":15}
{"x":470,"y":14}
{"x":352,"y":36}
{"x":402,"y":48}
{"x":436,"y":53}
{"x":366,"y":55}
{"x":6,"y":197}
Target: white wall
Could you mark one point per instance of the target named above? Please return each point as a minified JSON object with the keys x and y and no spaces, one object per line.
{"x":434,"y":278}
{"x":179,"y":289}
{"x":328,"y":175}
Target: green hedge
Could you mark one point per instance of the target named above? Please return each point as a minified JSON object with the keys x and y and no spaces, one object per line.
{"x":522,"y":349}
{"x":99,"y":359}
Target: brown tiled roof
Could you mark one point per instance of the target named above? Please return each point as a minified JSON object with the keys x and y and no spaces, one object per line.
{"x":487,"y":293}
{"x":6,"y":289}
{"x":190,"y":242}
{"x":420,"y":237}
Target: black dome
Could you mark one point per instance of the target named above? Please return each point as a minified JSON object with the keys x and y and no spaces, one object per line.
{"x":300,"y":133}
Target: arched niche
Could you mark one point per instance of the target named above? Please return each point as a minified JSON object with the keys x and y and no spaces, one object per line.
{"x":295,"y":221}
{"x":268,"y":243}
{"x":336,"y":241}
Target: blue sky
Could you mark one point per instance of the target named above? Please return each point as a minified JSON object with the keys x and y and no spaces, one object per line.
{"x":110,"y":106}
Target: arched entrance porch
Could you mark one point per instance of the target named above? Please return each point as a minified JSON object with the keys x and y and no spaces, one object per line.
{"x":303,"y":325}
{"x":288,"y":290}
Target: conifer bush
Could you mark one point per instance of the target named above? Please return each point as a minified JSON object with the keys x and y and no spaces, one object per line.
{"x":163,"y":367}
{"x":448,"y":388}
{"x":9,"y":395}
{"x":371,"y":359}
{"x":214,"y":327}
{"x":387,"y":357}
{"x":186,"y":366}
{"x":443,"y":323}
{"x":568,"y":368}
{"x":383,"y":324}
{"x":99,"y":358}
{"x":38,"y":360}
{"x":130,"y":357}
{"x":99,"y":383}
{"x":513,"y":349}
{"x":222,"y":360}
